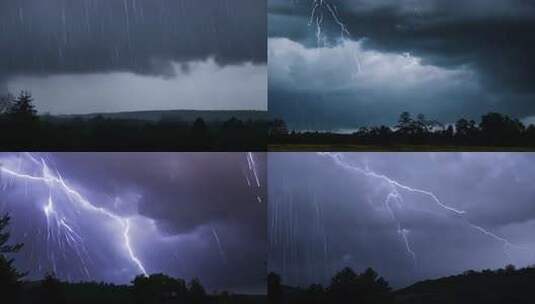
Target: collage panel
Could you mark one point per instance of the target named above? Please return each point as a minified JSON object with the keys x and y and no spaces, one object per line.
{"x":401,"y":227}
{"x":133,"y":75}
{"x":413,"y":75}
{"x":267,"y":151}
{"x":133,"y":227}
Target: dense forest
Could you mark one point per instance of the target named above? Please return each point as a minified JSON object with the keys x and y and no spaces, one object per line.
{"x":21,"y":128}
{"x":508,"y":285}
{"x":493,"y":130}
{"x":154,"y":289}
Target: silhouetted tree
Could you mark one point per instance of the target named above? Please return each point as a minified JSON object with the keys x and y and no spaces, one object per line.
{"x":344,"y":286}
{"x":225,"y":298}
{"x":510,"y":268}
{"x":500,"y":129}
{"x":159,"y":288}
{"x":22,"y":108}
{"x":28,"y":131}
{"x":405,"y":123}
{"x":10,"y":278}
{"x":449,"y":132}
{"x":232,"y":124}
{"x":278,"y":127}
{"x":465,"y":131}
{"x":349,"y":287}
{"x":196,"y":292}
{"x":274,"y":289}
{"x":422,"y":124}
{"x":52,"y":290}
{"x":199,"y":128}
{"x":142,"y":292}
{"x":199,"y":133}
{"x":316,"y":294}
{"x":495,"y":130}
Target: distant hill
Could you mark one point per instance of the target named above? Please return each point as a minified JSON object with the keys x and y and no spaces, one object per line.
{"x":489,"y":287}
{"x":175,"y":115}
{"x":502,"y":286}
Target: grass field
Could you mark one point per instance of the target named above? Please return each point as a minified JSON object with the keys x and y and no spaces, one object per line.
{"x":393,"y":148}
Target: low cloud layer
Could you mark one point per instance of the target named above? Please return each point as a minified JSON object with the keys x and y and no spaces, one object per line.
{"x":74,"y":39}
{"x":200,"y":85}
{"x":492,"y":41}
{"x":376,"y":85}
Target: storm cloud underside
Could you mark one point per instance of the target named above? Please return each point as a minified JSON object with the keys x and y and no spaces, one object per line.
{"x":488,"y":40}
{"x":198,"y":210}
{"x":140,"y":38}
{"x":465,"y":211}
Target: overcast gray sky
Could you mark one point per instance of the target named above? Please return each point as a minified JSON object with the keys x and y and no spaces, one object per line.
{"x":327,"y":212}
{"x":120,"y":55}
{"x":445,"y":59}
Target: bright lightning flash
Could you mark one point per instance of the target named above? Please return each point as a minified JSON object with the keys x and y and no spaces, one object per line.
{"x":58,"y":226}
{"x":395,"y":196}
{"x":320,"y":8}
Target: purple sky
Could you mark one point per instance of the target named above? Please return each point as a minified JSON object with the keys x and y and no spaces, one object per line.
{"x":110,"y":216}
{"x":331,"y":211}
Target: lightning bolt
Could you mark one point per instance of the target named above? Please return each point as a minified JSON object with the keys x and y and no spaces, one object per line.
{"x":133,"y":256}
{"x":252,"y":166}
{"x":218,"y":241}
{"x":404,"y":235}
{"x":394,"y":195}
{"x":252,"y":174}
{"x":320,"y":8}
{"x":60,"y":229}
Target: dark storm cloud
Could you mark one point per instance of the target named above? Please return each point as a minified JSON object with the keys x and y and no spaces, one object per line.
{"x":492,"y":38}
{"x":60,"y":36}
{"x":192,"y":215}
{"x":323,"y":217}
{"x":184,"y":192}
{"x":180,"y":190}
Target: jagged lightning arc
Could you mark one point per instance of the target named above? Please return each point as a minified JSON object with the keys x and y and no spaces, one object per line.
{"x":321,"y":8}
{"x":394,"y":195}
{"x":65,"y":234}
{"x":220,"y":247}
{"x":133,"y":256}
{"x":251,"y":176}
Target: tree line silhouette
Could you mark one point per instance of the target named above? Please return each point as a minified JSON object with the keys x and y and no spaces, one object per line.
{"x":345,"y":287}
{"x":21,"y":128}
{"x":493,"y":130}
{"x":507,"y":285}
{"x":154,"y":289}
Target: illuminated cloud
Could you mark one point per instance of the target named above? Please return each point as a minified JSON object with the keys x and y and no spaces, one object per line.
{"x":410,"y":216}
{"x":99,"y":216}
{"x":477,"y":53}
